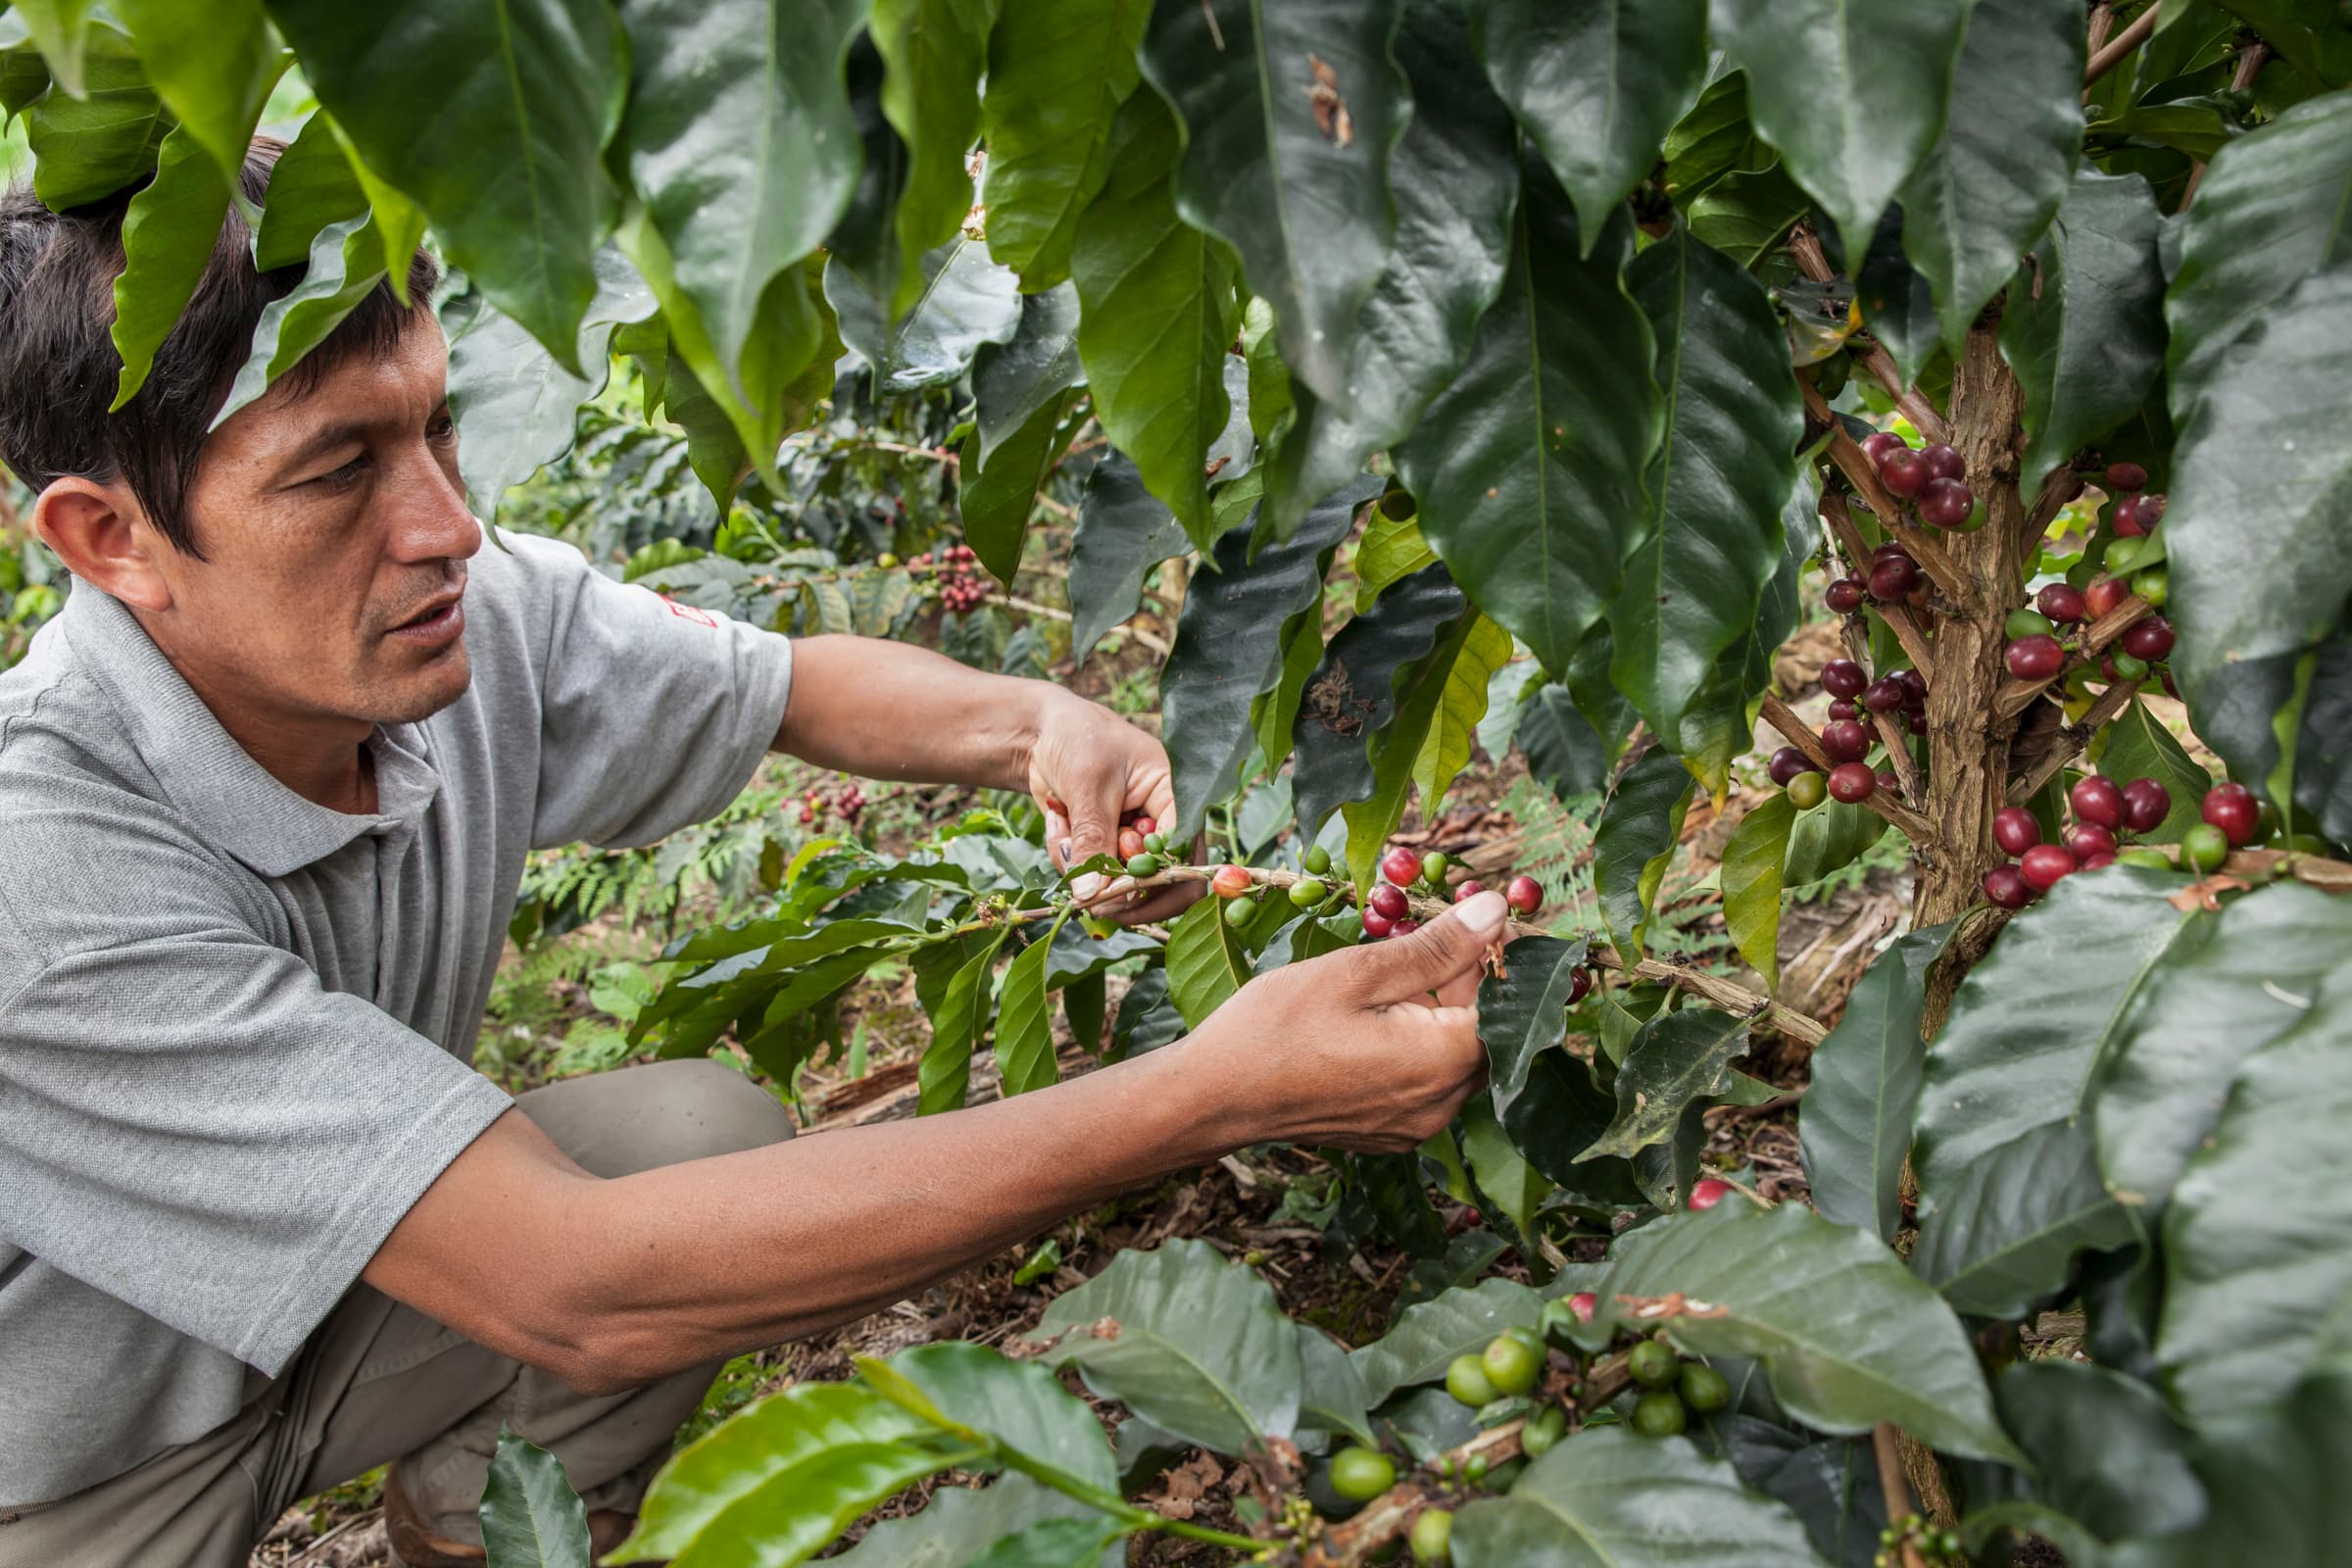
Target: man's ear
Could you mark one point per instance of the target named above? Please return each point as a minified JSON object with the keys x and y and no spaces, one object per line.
{"x":102,"y":536}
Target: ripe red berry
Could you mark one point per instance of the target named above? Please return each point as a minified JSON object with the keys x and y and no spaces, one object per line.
{"x":2062,"y":602}
{"x":2006,"y":886}
{"x":2035,"y":658}
{"x":1785,"y":765}
{"x":1131,"y":844}
{"x":1144,"y":825}
{"x":1843,"y":677}
{"x":2232,"y":808}
{"x":1377,"y":924}
{"x":2126,"y":518}
{"x":1705,"y":1194}
{"x":2044,"y":864}
{"x":1402,"y":866}
{"x":1845,"y":596}
{"x":2103,"y":594}
{"x":1847,"y":740}
{"x":1391,"y":902}
{"x":2092,"y":862}
{"x":2150,"y":638}
{"x":1886,"y":695}
{"x":2015,"y":829}
{"x":1893,"y":547}
{"x":2126,"y":476}
{"x":1944,"y":460}
{"x":2150,"y":512}
{"x":1580,"y":986}
{"x":1231,"y":881}
{"x":1469,"y":888}
{"x":1914,"y":682}
{"x":1915,"y":719}
{"x":1841,"y":709}
{"x":1523,"y":894}
{"x":2097,"y":798}
{"x":2087,"y":838}
{"x":1881,"y":442}
{"x":1945,"y":503}
{"x":1894,"y":578}
{"x":1583,"y":1303}
{"x":1405,"y":927}
{"x":1890,"y":781}
{"x":2146,"y":804}
{"x":1903,"y":473}
{"x":1852,"y":782}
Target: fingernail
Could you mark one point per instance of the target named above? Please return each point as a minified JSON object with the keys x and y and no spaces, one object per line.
{"x":1085,"y":887}
{"x":1483,"y":913}
{"x":1065,"y":851}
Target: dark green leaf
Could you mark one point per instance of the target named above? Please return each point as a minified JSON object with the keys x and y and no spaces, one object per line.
{"x":1564,"y":752}
{"x":1424,"y":1338}
{"x":996,"y":495}
{"x":1994,"y":178}
{"x":1676,"y":1060}
{"x":345,"y":263}
{"x":962,"y":1012}
{"x":1751,"y":885}
{"x":1853,"y":95}
{"x":311,"y":186}
{"x":1123,"y":532}
{"x":934,"y":53}
{"x":1745,"y":215}
{"x":1712,"y":139}
{"x":1634,"y":842}
{"x":1532,"y":493}
{"x":1524,"y":1010}
{"x":2311,"y":33}
{"x":964,"y":301}
{"x":1013,"y":380}
{"x":1855,"y":1124}
{"x":1147,"y":1018}
{"x":1827,"y":838}
{"x":168,"y":231}
{"x":957,"y":1519}
{"x":1057,"y":75}
{"x":1205,"y":961}
{"x":1897,"y":300}
{"x":866,"y":239}
{"x":1353,"y":693}
{"x":1831,"y":1484}
{"x":2140,"y":746}
{"x":1021,"y":1404}
{"x":1438,"y":700}
{"x":532,"y":1518}
{"x":93,"y":144}
{"x":59,"y":29}
{"x":213,"y":64}
{"x":2106,"y":1451}
{"x":1074,"y":1543}
{"x":2084,"y":327}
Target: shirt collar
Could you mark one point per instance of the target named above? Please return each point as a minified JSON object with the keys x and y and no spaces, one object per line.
{"x":232,"y":799}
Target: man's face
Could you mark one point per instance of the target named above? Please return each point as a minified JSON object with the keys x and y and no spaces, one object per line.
{"x":335,"y":534}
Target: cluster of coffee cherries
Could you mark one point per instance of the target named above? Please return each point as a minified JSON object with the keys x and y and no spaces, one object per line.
{"x":1144,"y":847}
{"x":1933,"y":1544}
{"x":2105,"y":813}
{"x":1931,"y":478}
{"x":1849,"y":739}
{"x":2035,"y":651}
{"x":961,"y":585}
{"x":1891,"y":575}
{"x":847,"y":801}
{"x":2137,"y":512}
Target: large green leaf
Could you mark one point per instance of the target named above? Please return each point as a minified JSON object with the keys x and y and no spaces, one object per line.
{"x":311,"y":186}
{"x":1439,"y":700}
{"x":2273,"y":207}
{"x":1847,"y":1336}
{"x":1057,"y":75}
{"x":739,"y":143}
{"x":532,"y":1518}
{"x":1428,"y":1335}
{"x":957,"y":1019}
{"x":510,"y":164}
{"x":1712,"y":139}
{"x":1564,"y":752}
{"x":1013,"y":380}
{"x":958,"y":1520}
{"x":866,"y":239}
{"x":1295,"y":179}
{"x":1854,"y":1127}
{"x":1528,"y":467}
{"x":1598,"y":83}
{"x":1456,"y":183}
{"x":59,"y":29}
{"x":2260,"y":530}
{"x":213,"y":64}
{"x":1158,"y":313}
{"x":1192,"y":1343}
{"x":2137,"y":744}
{"x":1354,"y":690}
{"x":1852,"y":94}
{"x":93,"y":143}
{"x":962,"y":301}
{"x":1205,"y":961}
{"x":1230,"y":644}
{"x":1123,"y":531}
{"x":1828,"y":837}
{"x":2258,"y":1241}
{"x":2105,"y":1451}
{"x":1994,"y":178}
{"x":1025,"y":1021}
{"x":2008,"y":1175}
{"x":996,"y":495}
{"x":1523,"y":1009}
{"x":1611,"y":1499}
{"x":2084,"y":327}
{"x":1021,"y":1404}
{"x":168,"y":231}
{"x":2276,"y":1483}
{"x":2310,"y":33}
{"x":345,"y":263}
{"x":1751,"y":885}
{"x":934,"y":53}
{"x":1675,"y":1061}
{"x":1831,"y":1483}
{"x":1634,"y":841}
{"x":1724,"y":469}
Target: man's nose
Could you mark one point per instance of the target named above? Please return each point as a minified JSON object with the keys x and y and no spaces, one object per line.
{"x":431,"y":520}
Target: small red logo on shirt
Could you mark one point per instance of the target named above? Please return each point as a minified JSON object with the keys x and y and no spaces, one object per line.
{"x":701,"y":618}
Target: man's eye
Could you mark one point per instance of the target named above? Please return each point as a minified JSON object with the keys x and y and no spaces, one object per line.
{"x":344,"y":478}
{"x":442,"y":428}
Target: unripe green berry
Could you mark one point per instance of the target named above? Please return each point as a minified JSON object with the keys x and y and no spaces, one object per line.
{"x":2153,"y":584}
{"x":1241,"y":912}
{"x":1542,"y":1432}
{"x":2144,"y":858}
{"x":1512,"y":1365}
{"x":1703,"y":1388}
{"x":1652,"y":1364}
{"x":1432,"y":868}
{"x":2126,"y":667}
{"x":1362,"y":1474}
{"x":1156,"y":843}
{"x":1308,"y":892}
{"x":1808,"y":790}
{"x":2027,"y":624}
{"x":1143,"y":864}
{"x":1474,"y":1469}
{"x":1659,"y":1414}
{"x":2204,"y":848}
{"x":1318,"y":860}
{"x":1466,"y":1380}
{"x":1432,"y":1533}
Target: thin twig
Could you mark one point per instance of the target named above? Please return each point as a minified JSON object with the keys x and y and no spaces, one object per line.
{"x":2250,"y":66}
{"x":2015,"y":696}
{"x":1891,"y":1485}
{"x":1897,"y":616}
{"x":1805,"y":246}
{"x":2072,"y":739}
{"x":1863,"y":475}
{"x":2121,"y":44}
{"x":1781,"y":716}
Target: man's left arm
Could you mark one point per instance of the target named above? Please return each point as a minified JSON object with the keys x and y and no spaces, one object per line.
{"x":885,"y":709}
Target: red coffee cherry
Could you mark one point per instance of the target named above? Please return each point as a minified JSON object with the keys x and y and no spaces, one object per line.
{"x":1881,"y":442}
{"x":2150,"y":638}
{"x":1402,"y":866}
{"x":1583,"y":1302}
{"x":1470,"y":888}
{"x":2092,"y":862}
{"x":2103,"y":594}
{"x":1886,"y":695}
{"x":1903,"y":473}
{"x":1852,"y":782}
{"x":1843,"y":677}
{"x":2097,"y":798}
{"x":2046,"y":864}
{"x":2087,"y":838}
{"x":2126,"y":476}
{"x":1131,"y":843}
{"x":2149,"y":510}
{"x":2146,"y":804}
{"x":1845,"y":596}
{"x":2035,"y":658}
{"x":1892,"y":578}
{"x":1377,"y":924}
{"x":2062,"y":602}
{"x":2006,"y":887}
{"x":1231,"y":881}
{"x":1390,"y":900}
{"x":1785,"y":765}
{"x":1847,"y":740}
{"x":1945,"y":503}
{"x":1706,"y":1194}
{"x":2015,"y":829}
{"x":1580,"y":986}
{"x":1890,"y":781}
{"x":1523,"y":894}
{"x":1943,"y":461}
{"x":1841,"y":709}
{"x":1404,"y":928}
{"x":2232,"y":808}
{"x":1914,"y":682}
{"x":2126,"y":518}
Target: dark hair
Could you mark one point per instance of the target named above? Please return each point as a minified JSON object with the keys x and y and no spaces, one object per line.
{"x":59,"y":368}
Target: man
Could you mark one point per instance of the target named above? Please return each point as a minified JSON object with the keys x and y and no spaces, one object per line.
{"x":265,"y":791}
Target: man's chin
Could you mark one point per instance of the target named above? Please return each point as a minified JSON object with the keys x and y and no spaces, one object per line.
{"x":424,"y":693}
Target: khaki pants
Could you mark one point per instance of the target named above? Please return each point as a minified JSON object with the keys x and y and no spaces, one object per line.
{"x":379,"y":1382}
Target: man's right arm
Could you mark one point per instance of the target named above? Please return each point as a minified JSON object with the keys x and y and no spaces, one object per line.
{"x":613,"y":1283}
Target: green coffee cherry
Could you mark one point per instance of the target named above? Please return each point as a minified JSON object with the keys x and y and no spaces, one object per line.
{"x":2154,"y":584}
{"x":2128,"y":667}
{"x":1542,"y":1432}
{"x":1652,"y":1364}
{"x":2204,"y":848}
{"x":1143,"y":864}
{"x":1659,"y":1414}
{"x":1703,"y":1388}
{"x":2124,"y":554}
{"x":1432,"y":1533}
{"x":1156,"y":843}
{"x":1466,"y":1380}
{"x":1512,"y":1365}
{"x":1474,"y":1469}
{"x":1241,"y":912}
{"x":1808,"y":790}
{"x":1432,"y":868}
{"x":2146,"y":858}
{"x":1362,"y":1474}
{"x":1318,"y":860}
{"x":2021,"y":624}
{"x":1307,"y":892}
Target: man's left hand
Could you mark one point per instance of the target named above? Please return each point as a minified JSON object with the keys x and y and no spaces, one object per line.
{"x":1088,"y":769}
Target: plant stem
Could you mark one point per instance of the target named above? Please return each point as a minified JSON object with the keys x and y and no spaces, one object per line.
{"x":1781,"y":716}
{"x":1885,"y":1445}
{"x":1863,"y":475}
{"x":1805,"y":246}
{"x":2250,"y":66}
{"x":2072,"y":739}
{"x":2121,"y":44}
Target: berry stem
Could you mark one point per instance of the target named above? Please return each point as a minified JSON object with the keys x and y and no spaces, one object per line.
{"x":1799,"y":734}
{"x":1885,"y":1443}
{"x":2121,"y":44}
{"x":1863,"y":475}
{"x":1815,"y":265}
{"x":2072,"y":739}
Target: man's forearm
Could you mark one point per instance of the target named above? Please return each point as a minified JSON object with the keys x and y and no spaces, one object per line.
{"x":886,"y":709}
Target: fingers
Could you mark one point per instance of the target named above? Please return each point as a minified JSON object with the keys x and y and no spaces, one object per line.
{"x":1437,"y":958}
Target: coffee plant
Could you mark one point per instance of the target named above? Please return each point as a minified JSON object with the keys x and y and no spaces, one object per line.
{"x":1586,"y":332}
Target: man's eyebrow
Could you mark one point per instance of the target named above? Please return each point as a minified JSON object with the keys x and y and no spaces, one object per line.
{"x":325,"y":440}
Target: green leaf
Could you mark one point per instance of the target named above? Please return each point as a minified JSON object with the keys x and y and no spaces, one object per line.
{"x":1192,"y":1343}
{"x":2084,"y":326}
{"x":1331,"y":1391}
{"x":1074,"y":1543}
{"x":399,"y":221}
{"x":1827,"y":838}
{"x":213,"y":64}
{"x":1712,"y":139}
{"x":1564,"y":752}
{"x":1855,"y":1124}
{"x":510,"y":164}
{"x":778,"y":1482}
{"x":1021,"y":1404}
{"x":1455,"y":181}
{"x":1611,"y":1499}
{"x":92,"y":144}
{"x":313,"y":185}
{"x":2260,"y":529}
{"x":1486,"y":648}
{"x":1272,"y":169}
{"x":1013,"y":380}
{"x":1676,"y":1060}
{"x":1390,"y":550}
{"x":1230,"y":643}
{"x":996,"y":495}
{"x":957,"y":1519}
{"x":2308,"y":32}
{"x":866,"y":239}
{"x":343,"y":267}
{"x":1994,"y":178}
{"x":962,"y":1012}
{"x":2140,"y":746}
{"x":1511,"y":1189}
{"x":1724,"y":467}
{"x":1205,"y":961}
{"x":1428,"y":733}
{"x":59,"y":31}
{"x":1158,"y":313}
{"x":532,"y":1518}
{"x":2258,"y":1241}
{"x":1353,"y":695}
{"x":2008,"y":1175}
{"x":1425,"y":1337}
{"x":2273,"y":207}
{"x":934,"y":53}
{"x":962,"y":301}
{"x":1531,"y":490}
{"x":1751,"y":885}
{"x":1852,"y":94}
{"x":1057,"y":75}
{"x":1123,"y":532}
{"x":2104,"y":1448}
{"x":1847,"y":1336}
{"x":1634,"y":842}
{"x":1025,"y":1021}
{"x":168,"y":231}
{"x":1596,"y":83}
{"x":1524,"y":1010}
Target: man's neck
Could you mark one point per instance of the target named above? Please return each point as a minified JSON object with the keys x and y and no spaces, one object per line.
{"x":324,"y":761}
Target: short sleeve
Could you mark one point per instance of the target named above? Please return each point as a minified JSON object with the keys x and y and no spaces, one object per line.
{"x":653,"y":715}
{"x":190,"y":1123}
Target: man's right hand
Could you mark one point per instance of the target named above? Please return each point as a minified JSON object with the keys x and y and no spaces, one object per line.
{"x":1372,"y":1050}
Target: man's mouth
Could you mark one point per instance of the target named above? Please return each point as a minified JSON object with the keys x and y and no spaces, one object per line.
{"x":440,"y":622}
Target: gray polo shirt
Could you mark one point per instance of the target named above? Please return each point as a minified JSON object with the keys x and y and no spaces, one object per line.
{"x":235,"y":1026}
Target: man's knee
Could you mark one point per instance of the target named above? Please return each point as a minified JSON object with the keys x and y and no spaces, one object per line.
{"x":663,"y":1113}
